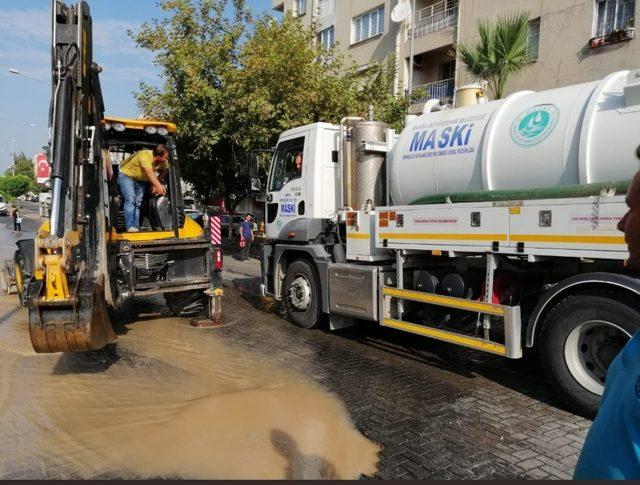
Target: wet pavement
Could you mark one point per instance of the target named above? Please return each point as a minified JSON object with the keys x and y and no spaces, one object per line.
{"x":259,"y":397}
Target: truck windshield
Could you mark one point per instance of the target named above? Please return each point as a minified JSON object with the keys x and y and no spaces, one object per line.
{"x":287,"y":164}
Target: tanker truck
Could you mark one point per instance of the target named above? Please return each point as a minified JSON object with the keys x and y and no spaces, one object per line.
{"x":491,"y":226}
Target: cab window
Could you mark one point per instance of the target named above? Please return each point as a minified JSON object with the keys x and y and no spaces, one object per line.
{"x":288,"y":163}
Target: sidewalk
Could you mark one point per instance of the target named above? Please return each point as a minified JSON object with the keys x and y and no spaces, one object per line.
{"x":233,"y":267}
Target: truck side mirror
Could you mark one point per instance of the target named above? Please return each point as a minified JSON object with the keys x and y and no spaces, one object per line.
{"x":258,"y":160}
{"x":254,"y":165}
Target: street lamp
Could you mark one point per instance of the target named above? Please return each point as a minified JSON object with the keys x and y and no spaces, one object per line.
{"x":18,"y":73}
{"x":12,"y":157}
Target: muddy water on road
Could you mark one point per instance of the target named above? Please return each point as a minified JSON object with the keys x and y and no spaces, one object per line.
{"x":175,"y":402}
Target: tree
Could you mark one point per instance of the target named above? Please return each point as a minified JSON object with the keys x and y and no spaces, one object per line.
{"x":22,"y":165}
{"x":501,"y":51}
{"x":195,"y":46}
{"x":13,"y":187}
{"x":233,"y":84}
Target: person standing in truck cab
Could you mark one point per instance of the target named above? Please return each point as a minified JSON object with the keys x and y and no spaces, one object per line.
{"x":612,"y":448}
{"x":135,"y":173}
{"x":297,"y":168}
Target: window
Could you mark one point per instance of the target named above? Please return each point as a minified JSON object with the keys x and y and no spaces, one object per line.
{"x":368,"y":25}
{"x":325,"y":8}
{"x":447,"y":70}
{"x":288,"y":163}
{"x":614,"y":15}
{"x":533,"y":39}
{"x":326,"y":38}
{"x":300,"y":7}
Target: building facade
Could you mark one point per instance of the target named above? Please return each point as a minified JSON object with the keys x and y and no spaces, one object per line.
{"x":570,"y":41}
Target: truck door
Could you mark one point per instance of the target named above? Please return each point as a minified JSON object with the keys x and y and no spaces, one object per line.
{"x":286,"y":187}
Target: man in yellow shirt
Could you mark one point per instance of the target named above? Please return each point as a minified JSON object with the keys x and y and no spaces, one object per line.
{"x":135,"y":173}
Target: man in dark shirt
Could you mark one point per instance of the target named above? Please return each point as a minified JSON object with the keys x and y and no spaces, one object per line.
{"x":246,"y":234}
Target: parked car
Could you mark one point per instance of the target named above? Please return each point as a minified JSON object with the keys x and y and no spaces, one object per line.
{"x":4,"y":209}
{"x":235,"y":224}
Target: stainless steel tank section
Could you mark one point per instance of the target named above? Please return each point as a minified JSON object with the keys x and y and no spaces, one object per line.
{"x":367,"y":169}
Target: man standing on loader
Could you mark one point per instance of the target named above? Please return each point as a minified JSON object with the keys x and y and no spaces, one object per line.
{"x":135,"y":173}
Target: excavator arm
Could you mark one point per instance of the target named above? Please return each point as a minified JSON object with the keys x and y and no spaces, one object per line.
{"x":66,"y":294}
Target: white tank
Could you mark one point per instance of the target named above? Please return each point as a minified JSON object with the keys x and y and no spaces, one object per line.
{"x":578,"y":134}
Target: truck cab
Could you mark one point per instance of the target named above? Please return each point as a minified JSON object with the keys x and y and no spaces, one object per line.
{"x":303,"y":183}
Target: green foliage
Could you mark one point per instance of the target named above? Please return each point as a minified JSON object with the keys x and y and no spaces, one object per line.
{"x":14,"y":186}
{"x":22,"y":165}
{"x":501,"y":51}
{"x":233,"y":84}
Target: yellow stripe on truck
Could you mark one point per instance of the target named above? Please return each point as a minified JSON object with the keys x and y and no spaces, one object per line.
{"x":567,"y":239}
{"x":358,"y":235}
{"x":453,"y":338}
{"x":446,"y":301}
{"x":444,"y":237}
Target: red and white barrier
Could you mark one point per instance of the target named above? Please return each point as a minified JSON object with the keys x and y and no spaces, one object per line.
{"x":215,"y":228}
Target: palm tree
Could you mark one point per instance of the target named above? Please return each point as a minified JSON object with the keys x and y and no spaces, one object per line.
{"x":501,"y":51}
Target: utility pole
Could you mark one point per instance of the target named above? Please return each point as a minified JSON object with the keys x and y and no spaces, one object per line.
{"x":413,"y":34}
{"x":13,"y":158}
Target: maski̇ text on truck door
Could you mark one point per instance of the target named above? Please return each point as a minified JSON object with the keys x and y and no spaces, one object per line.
{"x":286,"y":193}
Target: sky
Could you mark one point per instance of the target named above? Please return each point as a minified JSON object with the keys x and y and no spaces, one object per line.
{"x":25,"y":40}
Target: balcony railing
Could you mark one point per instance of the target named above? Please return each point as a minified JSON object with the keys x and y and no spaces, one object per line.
{"x":435,"y":17}
{"x":325,"y":8}
{"x":613,"y":37}
{"x":438,"y":90}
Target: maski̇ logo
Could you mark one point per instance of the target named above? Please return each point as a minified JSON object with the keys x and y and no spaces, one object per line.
{"x":534,"y":125}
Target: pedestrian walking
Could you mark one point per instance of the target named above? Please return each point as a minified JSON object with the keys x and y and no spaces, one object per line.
{"x":17,"y":220}
{"x":246,"y":236}
{"x":612,"y":448}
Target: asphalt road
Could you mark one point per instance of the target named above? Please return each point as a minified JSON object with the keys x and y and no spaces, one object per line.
{"x":30,"y":224}
{"x":435,"y":410}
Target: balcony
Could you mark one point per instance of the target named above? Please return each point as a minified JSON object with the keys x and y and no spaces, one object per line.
{"x":437,"y":90}
{"x":435,"y":17}
{"x":613,"y":38}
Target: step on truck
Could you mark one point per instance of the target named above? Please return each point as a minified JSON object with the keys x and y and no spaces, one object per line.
{"x":491,"y":226}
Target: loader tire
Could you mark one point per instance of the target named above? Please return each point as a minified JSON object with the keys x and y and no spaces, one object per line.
{"x":187,"y":303}
{"x":579,"y":339}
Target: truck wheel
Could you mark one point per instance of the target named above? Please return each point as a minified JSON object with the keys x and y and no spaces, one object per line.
{"x":301,"y":294}
{"x":186,"y":303}
{"x":579,"y":339}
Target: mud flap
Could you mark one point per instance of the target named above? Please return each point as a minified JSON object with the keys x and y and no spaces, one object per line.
{"x":78,"y":325}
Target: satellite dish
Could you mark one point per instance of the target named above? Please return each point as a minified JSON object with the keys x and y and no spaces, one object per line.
{"x":401,"y":12}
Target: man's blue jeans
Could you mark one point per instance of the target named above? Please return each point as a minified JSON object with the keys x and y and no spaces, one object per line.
{"x":133,"y":192}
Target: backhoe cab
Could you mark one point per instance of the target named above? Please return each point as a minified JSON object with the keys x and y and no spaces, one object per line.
{"x":81,"y":260}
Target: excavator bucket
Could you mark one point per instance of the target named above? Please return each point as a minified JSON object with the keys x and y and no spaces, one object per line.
{"x":77,"y":325}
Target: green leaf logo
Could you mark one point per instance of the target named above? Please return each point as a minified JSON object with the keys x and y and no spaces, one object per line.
{"x":534,"y":125}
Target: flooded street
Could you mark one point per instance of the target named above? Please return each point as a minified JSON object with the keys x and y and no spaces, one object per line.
{"x":168,"y":401}
{"x":171,"y":401}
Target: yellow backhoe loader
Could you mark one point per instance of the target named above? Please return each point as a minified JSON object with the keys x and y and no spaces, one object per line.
{"x":82,"y":260}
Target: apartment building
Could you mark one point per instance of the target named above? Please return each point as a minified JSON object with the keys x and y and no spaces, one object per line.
{"x":570,"y":41}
